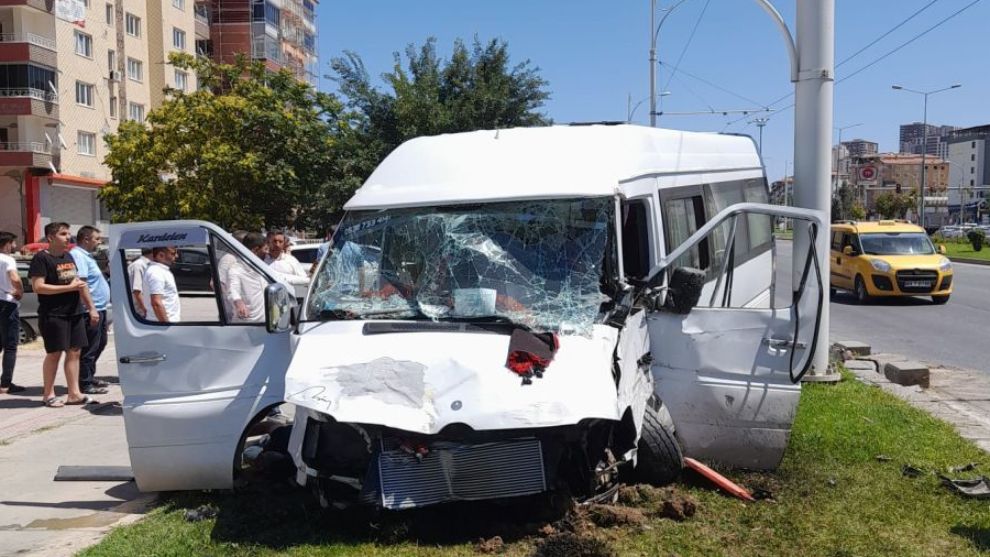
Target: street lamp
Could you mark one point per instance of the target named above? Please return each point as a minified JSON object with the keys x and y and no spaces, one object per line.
{"x":760,"y":123}
{"x":838,"y":148}
{"x":631,"y":108}
{"x":924,"y":149}
{"x":654,"y":34}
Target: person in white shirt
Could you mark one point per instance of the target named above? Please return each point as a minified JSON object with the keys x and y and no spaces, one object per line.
{"x":11,"y":291}
{"x":135,"y":273}
{"x":247,"y":286}
{"x":160,"y":293}
{"x":282,"y":262}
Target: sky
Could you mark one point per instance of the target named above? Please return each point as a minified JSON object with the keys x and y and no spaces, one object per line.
{"x":728,"y":55}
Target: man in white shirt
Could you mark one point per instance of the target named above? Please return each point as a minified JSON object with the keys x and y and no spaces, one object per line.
{"x":282,"y":262}
{"x":11,"y":291}
{"x":247,"y":286}
{"x":160,"y":293}
{"x":135,"y":273}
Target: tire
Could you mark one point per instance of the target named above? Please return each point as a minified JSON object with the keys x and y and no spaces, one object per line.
{"x":27,"y":333}
{"x":862,"y":296}
{"x":939,"y":300}
{"x":659,"y":459}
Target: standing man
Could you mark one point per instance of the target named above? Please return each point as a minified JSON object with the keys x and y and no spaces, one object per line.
{"x":247,"y":286}
{"x":135,"y":273}
{"x":87,"y":240}
{"x":281,"y":261}
{"x":61,"y":313}
{"x":11,"y":291}
{"x":160,"y":292}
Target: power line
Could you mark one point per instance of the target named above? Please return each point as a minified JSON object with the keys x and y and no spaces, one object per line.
{"x":684,"y":50}
{"x":697,"y":95}
{"x":889,"y":31}
{"x":719,"y":87}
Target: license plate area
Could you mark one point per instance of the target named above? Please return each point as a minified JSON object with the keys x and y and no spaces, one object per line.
{"x":917,"y":284}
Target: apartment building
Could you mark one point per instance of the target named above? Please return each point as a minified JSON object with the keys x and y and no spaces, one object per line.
{"x":969,"y":176}
{"x":913,"y":138}
{"x":70,"y":71}
{"x":281,"y":33}
{"x":874,"y":174}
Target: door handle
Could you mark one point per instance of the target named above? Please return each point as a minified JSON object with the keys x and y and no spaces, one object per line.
{"x":185,"y":269}
{"x":142,"y":359}
{"x":783,"y":343}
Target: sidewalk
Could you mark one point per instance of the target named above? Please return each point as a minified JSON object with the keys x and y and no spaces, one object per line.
{"x":39,"y":516}
{"x":957,"y":396}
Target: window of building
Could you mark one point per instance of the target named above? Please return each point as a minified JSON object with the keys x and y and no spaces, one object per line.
{"x":84,"y":94}
{"x":972,"y":157}
{"x":181,"y":80}
{"x":263,"y":11}
{"x":973,"y":145}
{"x":109,"y":14}
{"x":178,"y":38}
{"x":84,"y":44}
{"x":111,"y":60}
{"x":179,"y":4}
{"x":86,"y":143}
{"x":113,"y":107}
{"x":132,"y":24}
{"x":135,"y":112}
{"x":972,"y":183}
{"x":26,"y":76}
{"x":85,"y":3}
{"x":135,"y":69}
{"x":972,"y":170}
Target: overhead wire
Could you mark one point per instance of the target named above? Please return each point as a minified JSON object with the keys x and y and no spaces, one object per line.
{"x":687,"y":45}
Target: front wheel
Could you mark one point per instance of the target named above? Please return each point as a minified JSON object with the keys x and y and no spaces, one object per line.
{"x":862,"y":296}
{"x":939,"y":300}
{"x":27,"y":334}
{"x":659,"y":459}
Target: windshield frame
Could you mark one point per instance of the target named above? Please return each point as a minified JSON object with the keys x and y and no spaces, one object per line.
{"x":608,"y":269}
{"x":913,"y":235}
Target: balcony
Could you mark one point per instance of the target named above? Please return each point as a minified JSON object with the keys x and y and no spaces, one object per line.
{"x":43,"y":5}
{"x":28,"y":101}
{"x":25,"y":154}
{"x":27,"y":47}
{"x":202,"y":25}
{"x":265,"y":48}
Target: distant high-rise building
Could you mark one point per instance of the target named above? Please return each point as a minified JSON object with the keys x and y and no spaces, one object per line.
{"x":281,"y":33}
{"x":969,"y":172}
{"x":913,"y":136}
{"x":860,"y":147}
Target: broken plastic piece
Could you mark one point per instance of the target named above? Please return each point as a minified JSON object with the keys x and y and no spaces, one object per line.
{"x":964,"y":468}
{"x":531,"y":353}
{"x":911,"y":471}
{"x":723,"y":483}
{"x":977,"y":489}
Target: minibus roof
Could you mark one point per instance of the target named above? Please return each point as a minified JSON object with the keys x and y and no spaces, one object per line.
{"x":544,"y":163}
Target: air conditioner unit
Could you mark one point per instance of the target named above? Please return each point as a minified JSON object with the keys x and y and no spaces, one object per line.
{"x":114,"y":75}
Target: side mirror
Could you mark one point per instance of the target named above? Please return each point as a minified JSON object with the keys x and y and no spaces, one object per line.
{"x":685,"y":289}
{"x":848,"y":250}
{"x":941,"y":249}
{"x":279,"y":307}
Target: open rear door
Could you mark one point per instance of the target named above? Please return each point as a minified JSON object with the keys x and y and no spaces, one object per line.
{"x":729,"y":370}
{"x":191,"y":387}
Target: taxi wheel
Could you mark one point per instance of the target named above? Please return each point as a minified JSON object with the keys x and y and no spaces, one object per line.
{"x":862,"y":296}
{"x":939,"y":300}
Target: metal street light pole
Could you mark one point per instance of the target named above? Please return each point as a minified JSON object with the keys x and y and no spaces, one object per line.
{"x":924,"y":147}
{"x":838,"y":149}
{"x":760,"y":123}
{"x":654,"y":34}
{"x":632,"y":108}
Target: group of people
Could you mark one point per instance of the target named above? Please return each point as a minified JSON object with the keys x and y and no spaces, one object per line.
{"x":73,"y":298}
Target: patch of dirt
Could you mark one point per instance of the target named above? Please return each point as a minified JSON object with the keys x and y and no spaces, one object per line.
{"x":570,"y":544}
{"x":609,"y":516}
{"x":668,"y":502}
{"x":490,"y":546}
{"x":679,"y":509}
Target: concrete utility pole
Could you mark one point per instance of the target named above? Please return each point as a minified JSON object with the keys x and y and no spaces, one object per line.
{"x":813,"y":73}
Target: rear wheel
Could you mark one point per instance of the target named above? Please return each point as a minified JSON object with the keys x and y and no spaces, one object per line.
{"x":27,"y":333}
{"x":940,"y":299}
{"x":862,"y":296}
{"x":659,"y":459}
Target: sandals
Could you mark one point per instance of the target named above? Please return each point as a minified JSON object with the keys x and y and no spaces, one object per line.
{"x":53,"y":402}
{"x":82,"y":401}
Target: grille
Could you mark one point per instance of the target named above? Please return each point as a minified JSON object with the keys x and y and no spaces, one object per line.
{"x":455,"y":472}
{"x":914,"y":276}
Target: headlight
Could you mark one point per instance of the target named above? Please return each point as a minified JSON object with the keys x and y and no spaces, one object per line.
{"x":880,"y":265}
{"x":945,"y":265}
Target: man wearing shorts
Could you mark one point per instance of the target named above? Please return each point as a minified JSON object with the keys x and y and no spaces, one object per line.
{"x":61,"y":314}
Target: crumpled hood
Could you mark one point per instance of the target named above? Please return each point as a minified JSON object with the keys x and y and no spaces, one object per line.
{"x":424,"y":381}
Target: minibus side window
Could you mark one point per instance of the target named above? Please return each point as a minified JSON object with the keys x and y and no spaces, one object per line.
{"x":635,"y":239}
{"x":837,"y":241}
{"x":682,"y":218}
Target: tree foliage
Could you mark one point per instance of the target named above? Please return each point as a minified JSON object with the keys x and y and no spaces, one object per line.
{"x":247,"y":149}
{"x":894,"y":205}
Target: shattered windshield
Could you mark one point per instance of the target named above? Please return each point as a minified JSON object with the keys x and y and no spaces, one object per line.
{"x":533,"y":263}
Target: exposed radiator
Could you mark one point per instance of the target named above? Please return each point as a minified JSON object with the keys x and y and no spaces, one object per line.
{"x":456,"y":472}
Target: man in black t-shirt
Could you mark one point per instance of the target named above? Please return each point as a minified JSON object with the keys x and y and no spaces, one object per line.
{"x":61,"y":314}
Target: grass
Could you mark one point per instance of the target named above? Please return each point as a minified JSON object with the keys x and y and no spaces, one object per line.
{"x":787,"y":234}
{"x":965,"y":251}
{"x":831,"y":497}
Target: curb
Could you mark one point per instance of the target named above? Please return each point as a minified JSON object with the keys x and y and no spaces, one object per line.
{"x":970,"y":261}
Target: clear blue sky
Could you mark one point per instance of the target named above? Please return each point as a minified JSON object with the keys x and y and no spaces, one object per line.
{"x":595,"y":52}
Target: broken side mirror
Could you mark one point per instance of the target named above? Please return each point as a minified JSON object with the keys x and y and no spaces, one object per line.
{"x":279,"y":303}
{"x":685,"y":288}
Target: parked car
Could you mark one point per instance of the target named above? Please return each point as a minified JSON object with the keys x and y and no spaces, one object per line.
{"x":29,"y":304}
{"x":305,"y":253}
{"x":192,"y":270}
{"x":950,"y":232}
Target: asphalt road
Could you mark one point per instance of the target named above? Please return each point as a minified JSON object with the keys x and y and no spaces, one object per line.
{"x":956,"y":334}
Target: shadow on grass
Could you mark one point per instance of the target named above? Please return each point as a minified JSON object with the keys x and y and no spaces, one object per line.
{"x":979,"y":537}
{"x":280,"y":516}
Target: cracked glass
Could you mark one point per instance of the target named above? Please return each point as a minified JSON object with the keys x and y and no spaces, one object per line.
{"x":534,"y":263}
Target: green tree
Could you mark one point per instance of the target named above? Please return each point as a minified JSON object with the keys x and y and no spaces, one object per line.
{"x":477,"y":88}
{"x":894,"y":205}
{"x":249,"y":148}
